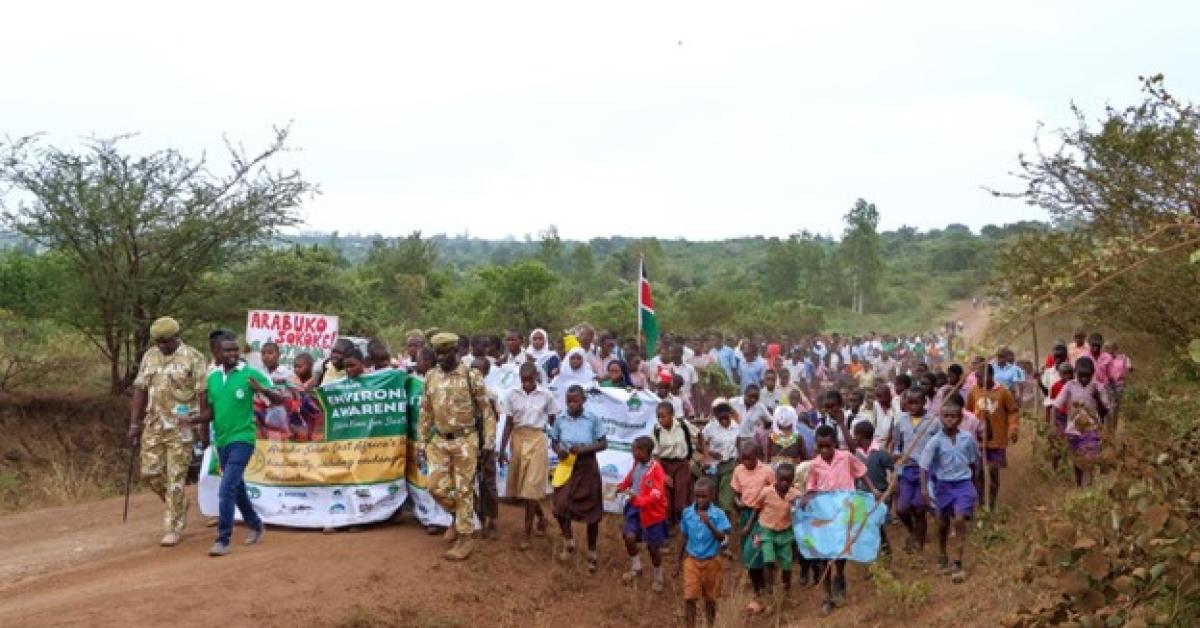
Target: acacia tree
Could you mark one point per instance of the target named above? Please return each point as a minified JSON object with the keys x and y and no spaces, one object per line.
{"x":139,"y":232}
{"x":1127,"y":192}
{"x":860,"y":252}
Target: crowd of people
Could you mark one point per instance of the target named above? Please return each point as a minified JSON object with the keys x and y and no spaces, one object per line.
{"x":747,"y":430}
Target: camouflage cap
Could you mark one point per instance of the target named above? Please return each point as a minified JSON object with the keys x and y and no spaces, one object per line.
{"x":163,"y":328}
{"x":444,"y":340}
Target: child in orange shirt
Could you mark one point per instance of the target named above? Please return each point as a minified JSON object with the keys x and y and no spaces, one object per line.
{"x":749,"y":479}
{"x":773,"y":506}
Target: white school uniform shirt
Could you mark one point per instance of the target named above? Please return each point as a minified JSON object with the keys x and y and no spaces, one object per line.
{"x":531,"y":409}
{"x":750,"y":417}
{"x":721,"y":441}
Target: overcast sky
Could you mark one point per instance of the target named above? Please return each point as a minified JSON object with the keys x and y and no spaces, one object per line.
{"x":693,"y":119}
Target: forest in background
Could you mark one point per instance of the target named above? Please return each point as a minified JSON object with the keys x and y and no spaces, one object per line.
{"x":383,"y":286}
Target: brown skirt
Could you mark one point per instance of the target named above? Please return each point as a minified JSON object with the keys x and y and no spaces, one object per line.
{"x":530,"y":466}
{"x":582,"y":497}
{"x":679,"y":495}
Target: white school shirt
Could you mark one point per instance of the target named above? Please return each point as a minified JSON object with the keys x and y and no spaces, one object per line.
{"x":721,"y":441}
{"x":750,"y":417}
{"x":531,"y":409}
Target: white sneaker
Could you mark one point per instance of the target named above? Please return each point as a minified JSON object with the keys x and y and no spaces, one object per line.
{"x":171,"y":539}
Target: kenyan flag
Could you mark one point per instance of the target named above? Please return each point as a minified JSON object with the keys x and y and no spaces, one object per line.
{"x":647,"y":320}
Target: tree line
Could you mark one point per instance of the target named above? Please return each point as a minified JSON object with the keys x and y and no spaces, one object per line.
{"x":105,"y":240}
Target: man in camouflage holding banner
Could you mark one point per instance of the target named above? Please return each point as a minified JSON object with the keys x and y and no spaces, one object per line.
{"x":450,"y":438}
{"x":164,"y":395}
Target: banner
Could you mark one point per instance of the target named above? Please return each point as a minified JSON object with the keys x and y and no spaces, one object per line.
{"x":627,"y":415}
{"x":294,"y":333}
{"x":355,"y":474}
{"x":824,"y":527}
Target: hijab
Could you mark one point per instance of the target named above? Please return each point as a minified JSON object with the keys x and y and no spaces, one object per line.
{"x":584,"y":376}
{"x":545,"y":351}
{"x":625,"y":380}
{"x":785,"y":416}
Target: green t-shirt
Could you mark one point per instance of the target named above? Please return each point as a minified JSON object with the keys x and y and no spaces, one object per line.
{"x":232,"y":401}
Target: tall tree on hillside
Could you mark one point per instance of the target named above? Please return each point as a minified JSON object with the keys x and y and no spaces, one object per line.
{"x":140,"y":231}
{"x":861,"y":253}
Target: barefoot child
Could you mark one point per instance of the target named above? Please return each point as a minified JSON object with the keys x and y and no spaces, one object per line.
{"x":749,"y":479}
{"x":773,"y":512}
{"x":576,"y":437}
{"x":531,"y":409}
{"x":646,"y":511}
{"x":912,"y":432}
{"x":704,"y":527}
{"x":950,"y":459}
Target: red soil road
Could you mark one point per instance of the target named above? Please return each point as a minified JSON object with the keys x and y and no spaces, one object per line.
{"x":80,"y":566}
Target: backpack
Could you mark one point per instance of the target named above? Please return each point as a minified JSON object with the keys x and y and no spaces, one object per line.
{"x":687,"y":435}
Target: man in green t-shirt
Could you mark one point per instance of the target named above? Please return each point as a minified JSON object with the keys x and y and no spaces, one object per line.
{"x":229,"y":404}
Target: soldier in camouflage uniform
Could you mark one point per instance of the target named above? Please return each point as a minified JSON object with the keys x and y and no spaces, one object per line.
{"x":164,"y":396}
{"x":450,"y":440}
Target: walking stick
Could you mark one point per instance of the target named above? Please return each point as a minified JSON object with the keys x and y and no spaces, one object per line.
{"x":129,"y":482}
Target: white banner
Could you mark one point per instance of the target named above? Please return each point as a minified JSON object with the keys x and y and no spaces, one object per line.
{"x":294,"y":332}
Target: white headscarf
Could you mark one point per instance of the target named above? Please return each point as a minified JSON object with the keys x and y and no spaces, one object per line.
{"x":785,"y":416}
{"x":545,"y":351}
{"x":584,"y":376}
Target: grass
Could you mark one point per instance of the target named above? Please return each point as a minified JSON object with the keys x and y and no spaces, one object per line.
{"x":60,"y":450}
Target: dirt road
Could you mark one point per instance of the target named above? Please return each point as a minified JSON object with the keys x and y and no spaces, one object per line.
{"x":80,"y":566}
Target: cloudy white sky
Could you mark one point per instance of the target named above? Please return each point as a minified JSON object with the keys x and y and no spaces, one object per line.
{"x":687,"y":118}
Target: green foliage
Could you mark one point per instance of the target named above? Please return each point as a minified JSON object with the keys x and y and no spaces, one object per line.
{"x":138,"y":233}
{"x":1124,"y":191}
{"x":903,"y":597}
{"x":860,"y":252}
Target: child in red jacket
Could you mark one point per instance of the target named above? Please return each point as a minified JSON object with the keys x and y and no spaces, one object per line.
{"x":646,"y":511}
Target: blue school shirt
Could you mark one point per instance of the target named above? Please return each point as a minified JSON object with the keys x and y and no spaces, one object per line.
{"x":727,"y":359}
{"x":753,"y":372}
{"x":950,"y":460}
{"x":906,"y":433}
{"x":809,"y":436}
{"x":582,"y":430}
{"x":701,"y":543}
{"x":1009,"y":376}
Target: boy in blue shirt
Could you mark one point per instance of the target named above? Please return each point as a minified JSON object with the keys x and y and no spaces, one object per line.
{"x":703,"y":527}
{"x":951,"y":457}
{"x":913,"y":430}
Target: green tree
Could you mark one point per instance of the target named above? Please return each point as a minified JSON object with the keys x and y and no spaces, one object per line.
{"x":860,"y":252}
{"x":140,"y":232}
{"x":1128,"y":190}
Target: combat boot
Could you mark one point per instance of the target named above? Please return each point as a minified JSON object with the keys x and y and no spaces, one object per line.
{"x":461,"y":550}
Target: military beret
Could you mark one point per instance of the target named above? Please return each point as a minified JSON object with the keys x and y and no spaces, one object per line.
{"x":444,"y":340}
{"x":163,"y":328}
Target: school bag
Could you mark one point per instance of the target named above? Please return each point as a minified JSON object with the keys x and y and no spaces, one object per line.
{"x":687,"y":435}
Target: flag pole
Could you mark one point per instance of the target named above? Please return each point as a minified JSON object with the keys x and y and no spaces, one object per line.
{"x":638,"y":287}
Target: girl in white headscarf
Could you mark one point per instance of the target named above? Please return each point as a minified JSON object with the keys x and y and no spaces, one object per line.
{"x":784,"y":444}
{"x":543,"y":356}
{"x":575,"y":370}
